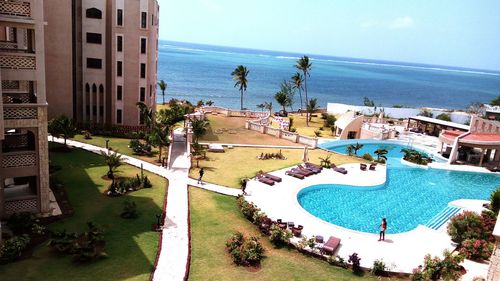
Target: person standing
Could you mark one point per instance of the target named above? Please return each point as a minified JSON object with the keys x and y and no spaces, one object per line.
{"x":244,"y":186}
{"x":202,"y":172}
{"x":383,"y":228}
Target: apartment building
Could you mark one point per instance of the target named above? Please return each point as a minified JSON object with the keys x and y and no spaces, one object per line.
{"x":24,"y":182}
{"x":101,"y":59}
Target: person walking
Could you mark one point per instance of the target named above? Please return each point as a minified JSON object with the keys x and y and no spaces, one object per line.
{"x":383,"y":228}
{"x":202,"y":172}
{"x":244,"y":186}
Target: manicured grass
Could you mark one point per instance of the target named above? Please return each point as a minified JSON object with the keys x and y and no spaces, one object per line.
{"x":229,"y":167}
{"x":299,"y":123}
{"x":121,"y":145}
{"x":130,"y":244}
{"x":215,"y":217}
{"x":232,"y":130}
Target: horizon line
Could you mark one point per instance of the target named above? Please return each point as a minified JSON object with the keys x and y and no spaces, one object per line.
{"x":401,"y":63}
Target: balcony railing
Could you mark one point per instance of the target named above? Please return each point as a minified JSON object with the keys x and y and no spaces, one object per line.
{"x":16,"y":98}
{"x":20,"y":111}
{"x":21,"y":205}
{"x":17,"y":61}
{"x":15,"y":8}
{"x":19,"y":159}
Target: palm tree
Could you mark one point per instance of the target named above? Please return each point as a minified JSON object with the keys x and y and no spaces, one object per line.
{"x":268,"y":106}
{"x":209,"y":103}
{"x":381,"y":152}
{"x":240,"y":74}
{"x":282,"y":99}
{"x":261,"y":106}
{"x":113,"y":160}
{"x":163,"y":86}
{"x":297,"y":84}
{"x":349,"y":149}
{"x":326,"y":162}
{"x":199,"y":127}
{"x":146,"y":113}
{"x":62,"y":126}
{"x":353,"y":148}
{"x":312,"y":105}
{"x":159,"y":137}
{"x":304,"y":65}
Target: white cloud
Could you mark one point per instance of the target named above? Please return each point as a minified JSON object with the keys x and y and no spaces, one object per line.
{"x":402,"y":23}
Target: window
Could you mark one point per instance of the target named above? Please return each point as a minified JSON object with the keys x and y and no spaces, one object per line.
{"x":87,"y":110}
{"x":119,"y":90}
{"x":150,"y":90}
{"x":93,"y":13}
{"x":119,"y":116}
{"x":119,"y":17}
{"x":119,"y":43}
{"x":144,"y":16}
{"x":152,"y":19}
{"x":141,"y":119}
{"x":87,"y":87}
{"x":94,"y":88}
{"x":143,"y":70}
{"x":94,"y":63}
{"x":101,"y":89}
{"x":143,"y":94}
{"x":94,"y":110}
{"x":143,"y":45}
{"x":94,"y":38}
{"x":119,"y":66}
{"x":101,"y":110}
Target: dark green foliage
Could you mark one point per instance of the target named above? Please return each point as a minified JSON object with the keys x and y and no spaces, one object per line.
{"x":469,"y":225}
{"x":124,"y":185}
{"x":378,"y":268}
{"x":368,"y":102}
{"x":245,"y":251}
{"x":415,"y":156}
{"x":199,"y":127}
{"x":129,"y":210}
{"x":337,"y":261}
{"x":62,"y":126}
{"x":426,"y":113}
{"x":326,"y":162}
{"x":21,"y":223}
{"x":139,"y":147}
{"x":355,"y":262}
{"x":146,"y":183}
{"x":368,"y":157}
{"x":448,"y":268}
{"x":13,"y":248}
{"x":279,"y":237}
{"x":329,"y":121}
{"x":495,"y":101}
{"x":495,"y":201}
{"x":444,"y":117}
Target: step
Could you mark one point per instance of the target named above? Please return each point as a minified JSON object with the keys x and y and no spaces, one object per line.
{"x":442,"y":217}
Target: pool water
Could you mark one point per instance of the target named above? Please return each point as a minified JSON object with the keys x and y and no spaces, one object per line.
{"x":410,"y":196}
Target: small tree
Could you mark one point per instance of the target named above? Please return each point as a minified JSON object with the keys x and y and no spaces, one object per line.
{"x":146,"y":113}
{"x":368,"y":102}
{"x":62,"y":126}
{"x":353,"y":148}
{"x":159,"y":138}
{"x":209,"y":103}
{"x":163,"y":86}
{"x":240,"y":74}
{"x":200,"y":103}
{"x":444,"y":117}
{"x":381,"y":152}
{"x":312,"y":105}
{"x":426,"y":113}
{"x":113,"y":160}
{"x":200,"y":127}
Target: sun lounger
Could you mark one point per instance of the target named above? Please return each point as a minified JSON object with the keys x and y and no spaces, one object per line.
{"x":214,"y":147}
{"x":293,"y":174}
{"x":372,"y":166}
{"x":309,"y":164}
{"x":340,"y":170}
{"x":330,"y":246}
{"x":303,"y":172}
{"x":272,"y":177}
{"x":265,"y":180}
{"x":312,"y":169}
{"x":362,"y":167}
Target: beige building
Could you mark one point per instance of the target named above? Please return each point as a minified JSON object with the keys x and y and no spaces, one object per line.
{"x":101,"y":59}
{"x":24,"y":183}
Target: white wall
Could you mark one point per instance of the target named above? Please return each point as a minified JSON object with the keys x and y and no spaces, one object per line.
{"x":339,"y":108}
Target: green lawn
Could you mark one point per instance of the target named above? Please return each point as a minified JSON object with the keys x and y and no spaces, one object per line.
{"x":130,"y":244}
{"x":229,"y":167}
{"x":215,"y":217}
{"x":121,"y":145}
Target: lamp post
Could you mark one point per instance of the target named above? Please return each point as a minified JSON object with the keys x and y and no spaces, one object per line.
{"x":107,"y":142}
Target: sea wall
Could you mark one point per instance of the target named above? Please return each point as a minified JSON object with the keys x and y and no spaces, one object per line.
{"x":340,"y":108}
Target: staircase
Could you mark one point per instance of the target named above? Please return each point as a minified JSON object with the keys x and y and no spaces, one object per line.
{"x":442,"y":217}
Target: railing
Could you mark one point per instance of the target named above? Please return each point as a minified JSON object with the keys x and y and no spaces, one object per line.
{"x":15,"y":8}
{"x":22,"y":205}
{"x":19,"y":159}
{"x":20,"y":111}
{"x":7,"y":45}
{"x":16,"y":98}
{"x":17,"y":61}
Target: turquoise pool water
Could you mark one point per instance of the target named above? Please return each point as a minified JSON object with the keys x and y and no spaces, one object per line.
{"x":411,"y":196}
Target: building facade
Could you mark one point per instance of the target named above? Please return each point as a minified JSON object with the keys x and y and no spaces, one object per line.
{"x":102,"y":59}
{"x":24,"y":182}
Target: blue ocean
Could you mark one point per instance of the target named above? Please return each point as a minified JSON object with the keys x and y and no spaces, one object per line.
{"x":202,"y":72}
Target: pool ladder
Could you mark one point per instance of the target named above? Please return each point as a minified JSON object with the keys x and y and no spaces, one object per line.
{"x":442,"y":217}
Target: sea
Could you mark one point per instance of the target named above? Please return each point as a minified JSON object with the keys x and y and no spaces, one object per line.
{"x":203,"y":72}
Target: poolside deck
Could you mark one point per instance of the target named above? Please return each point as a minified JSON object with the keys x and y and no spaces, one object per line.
{"x":401,"y":252}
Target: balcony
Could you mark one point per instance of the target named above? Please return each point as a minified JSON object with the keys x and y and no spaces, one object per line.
{"x":15,"y":8}
{"x":19,"y":159}
{"x":17,"y":60}
{"x":20,"y":111}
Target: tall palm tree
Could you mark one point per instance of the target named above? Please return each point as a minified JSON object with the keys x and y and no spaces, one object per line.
{"x":312,"y":105}
{"x":282,"y":99}
{"x":240,"y":74}
{"x":163,"y":86}
{"x":159,"y":137}
{"x":297,"y":84}
{"x":304,"y":65}
{"x":146,"y":113}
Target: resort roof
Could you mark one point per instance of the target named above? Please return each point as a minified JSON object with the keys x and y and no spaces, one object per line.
{"x":441,"y":122}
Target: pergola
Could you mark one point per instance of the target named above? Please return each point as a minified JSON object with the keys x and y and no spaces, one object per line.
{"x":433,"y":126}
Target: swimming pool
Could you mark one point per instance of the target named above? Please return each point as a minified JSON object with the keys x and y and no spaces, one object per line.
{"x":410,"y":196}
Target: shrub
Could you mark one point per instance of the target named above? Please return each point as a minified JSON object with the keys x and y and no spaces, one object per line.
{"x":86,"y":135}
{"x":279,"y":237}
{"x":444,"y":117}
{"x":378,"y":267}
{"x":495,"y":201}
{"x":139,"y":148}
{"x":448,"y":268}
{"x":467,"y":225}
{"x":355,"y":261}
{"x":329,"y":121}
{"x":129,"y":210}
{"x":146,"y":183}
{"x":417,"y":274}
{"x":21,"y":223}
{"x":368,"y":157}
{"x":245,"y":251}
{"x":337,"y":261}
{"x":381,"y":161}
{"x":258,"y":217}
{"x":12,"y":248}
{"x":476,"y":249}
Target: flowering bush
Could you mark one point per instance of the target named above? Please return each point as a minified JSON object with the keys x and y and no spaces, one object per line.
{"x":466,"y":226}
{"x":245,"y":251}
{"x":279,"y":237}
{"x":476,"y":249}
{"x":12,"y":248}
{"x":435,"y":268}
{"x":378,"y":267}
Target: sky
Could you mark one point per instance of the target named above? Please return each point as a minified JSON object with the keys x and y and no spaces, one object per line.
{"x":463,"y":33}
